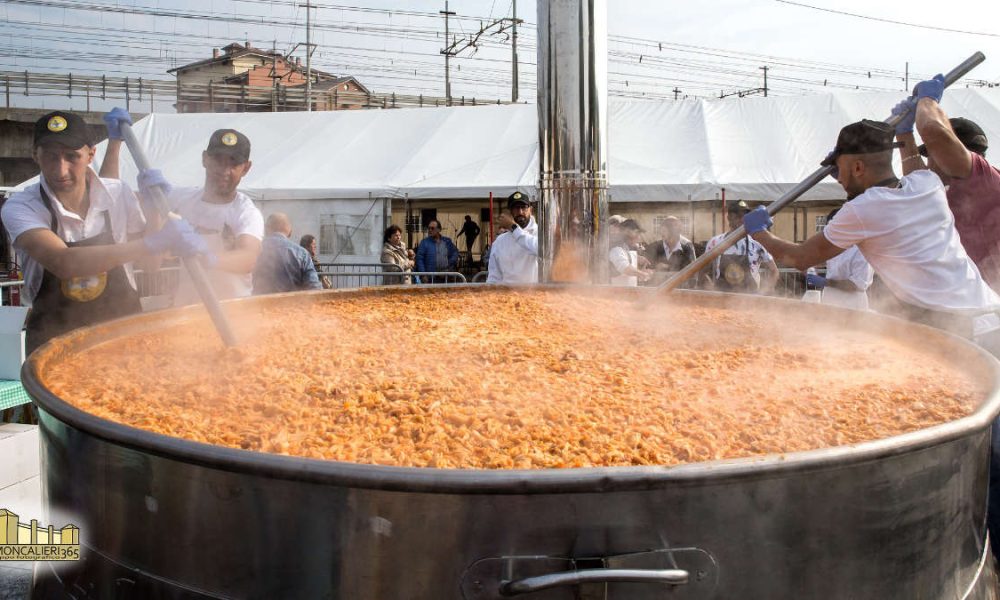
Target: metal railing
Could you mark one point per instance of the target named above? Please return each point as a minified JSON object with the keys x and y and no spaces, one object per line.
{"x":378,"y":278}
{"x":157,"y":283}
{"x":210,"y":96}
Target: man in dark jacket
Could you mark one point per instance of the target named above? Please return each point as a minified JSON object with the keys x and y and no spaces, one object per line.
{"x":674,"y":251}
{"x":435,"y":252}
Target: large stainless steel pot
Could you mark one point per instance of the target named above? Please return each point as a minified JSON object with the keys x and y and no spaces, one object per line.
{"x":167,"y":518}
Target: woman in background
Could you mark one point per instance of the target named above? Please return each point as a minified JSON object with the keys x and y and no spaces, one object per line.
{"x":308,"y":242}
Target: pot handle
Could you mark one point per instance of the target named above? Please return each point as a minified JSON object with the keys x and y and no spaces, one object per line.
{"x":544,"y":582}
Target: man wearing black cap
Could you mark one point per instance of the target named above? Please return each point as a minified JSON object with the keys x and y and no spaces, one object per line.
{"x":904,"y":229}
{"x":514,"y":255}
{"x":746,"y":266}
{"x":76,"y":235}
{"x":955,"y":150}
{"x":229,"y":222}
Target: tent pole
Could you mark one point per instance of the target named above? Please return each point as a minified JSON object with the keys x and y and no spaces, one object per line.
{"x":491,"y":217}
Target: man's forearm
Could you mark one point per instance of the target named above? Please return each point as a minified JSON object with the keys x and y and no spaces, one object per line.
{"x":845,"y":285}
{"x":909,"y":154}
{"x":784,"y":252}
{"x":85,"y":261}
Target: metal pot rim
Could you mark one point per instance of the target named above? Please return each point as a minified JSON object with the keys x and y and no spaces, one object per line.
{"x":503,"y":481}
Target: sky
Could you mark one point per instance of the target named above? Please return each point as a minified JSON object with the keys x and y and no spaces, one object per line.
{"x":703,"y":49}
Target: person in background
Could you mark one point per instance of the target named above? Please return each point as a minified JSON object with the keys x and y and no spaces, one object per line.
{"x":624,"y":257}
{"x":435,"y":252}
{"x":514,"y":256}
{"x":283,"y":265}
{"x":956,"y":151}
{"x":394,"y":252}
{"x":848,"y":277}
{"x":672,"y":253}
{"x":308,"y":241}
{"x":77,"y":235}
{"x":746,"y":266}
{"x":225,"y":217}
{"x":471,"y":231}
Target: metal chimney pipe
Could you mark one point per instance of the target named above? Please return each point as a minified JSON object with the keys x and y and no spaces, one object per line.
{"x":572,"y":133}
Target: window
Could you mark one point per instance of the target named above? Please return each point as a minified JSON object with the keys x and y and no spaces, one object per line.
{"x":345,"y":235}
{"x":820,"y":223}
{"x":685,"y":224}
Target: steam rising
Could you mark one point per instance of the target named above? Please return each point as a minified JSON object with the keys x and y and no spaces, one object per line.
{"x":517,"y":379}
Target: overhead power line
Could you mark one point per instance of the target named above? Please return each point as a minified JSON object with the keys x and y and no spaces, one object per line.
{"x":890,"y":21}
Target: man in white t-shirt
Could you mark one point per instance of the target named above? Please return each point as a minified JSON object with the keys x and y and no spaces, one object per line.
{"x":624,"y":256}
{"x":228,"y":220}
{"x":77,"y":234}
{"x":904,"y":228}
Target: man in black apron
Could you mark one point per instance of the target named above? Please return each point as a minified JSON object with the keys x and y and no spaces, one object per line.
{"x":71,"y":231}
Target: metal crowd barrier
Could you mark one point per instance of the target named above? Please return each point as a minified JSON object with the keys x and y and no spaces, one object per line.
{"x":162,"y":282}
{"x":377,"y":278}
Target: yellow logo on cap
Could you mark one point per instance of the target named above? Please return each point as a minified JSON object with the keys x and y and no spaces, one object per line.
{"x":57,"y":124}
{"x":517,"y":195}
{"x":229,"y":139}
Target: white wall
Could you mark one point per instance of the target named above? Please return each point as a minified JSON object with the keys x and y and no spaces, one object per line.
{"x":361,"y":219}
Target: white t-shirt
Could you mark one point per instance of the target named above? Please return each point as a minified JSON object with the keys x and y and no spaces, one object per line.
{"x":622,"y":259}
{"x":514,"y":256}
{"x":908,"y":236}
{"x":25,"y":211}
{"x":849,"y":265}
{"x":216,"y":222}
{"x":756,"y":254}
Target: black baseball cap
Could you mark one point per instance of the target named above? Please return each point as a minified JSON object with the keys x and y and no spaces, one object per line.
{"x":740,"y":207}
{"x":968,"y":132}
{"x":230,"y":142}
{"x":518,"y":198}
{"x":62,"y":127}
{"x":863,"y":137}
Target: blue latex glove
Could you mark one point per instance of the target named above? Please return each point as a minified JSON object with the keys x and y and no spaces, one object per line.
{"x":816,"y":281}
{"x":114,"y":120}
{"x":757,"y":220}
{"x":152,"y":178}
{"x":908,"y":106}
{"x":178,"y":237}
{"x":932,"y":88}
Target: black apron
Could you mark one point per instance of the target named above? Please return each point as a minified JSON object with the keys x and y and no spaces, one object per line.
{"x":61,"y":306}
{"x":734,"y":272}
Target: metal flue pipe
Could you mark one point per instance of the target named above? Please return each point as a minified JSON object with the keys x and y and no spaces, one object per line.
{"x":572,"y":135}
{"x":804,"y":186}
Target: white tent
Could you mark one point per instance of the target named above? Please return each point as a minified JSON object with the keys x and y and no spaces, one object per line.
{"x":756,"y":147}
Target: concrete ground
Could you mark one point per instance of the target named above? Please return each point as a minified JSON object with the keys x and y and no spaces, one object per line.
{"x":20,"y":493}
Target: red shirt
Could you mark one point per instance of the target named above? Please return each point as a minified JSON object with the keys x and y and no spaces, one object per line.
{"x":975,"y":202}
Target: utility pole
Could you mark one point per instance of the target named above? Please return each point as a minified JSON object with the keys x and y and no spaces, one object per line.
{"x":274,"y":76}
{"x":676,"y":92}
{"x":906,"y":85}
{"x":513,"y":49}
{"x":309,"y":51}
{"x":765,"y":68}
{"x":447,"y":51}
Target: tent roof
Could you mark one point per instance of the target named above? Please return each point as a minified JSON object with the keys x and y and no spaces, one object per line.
{"x":757,"y":148}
